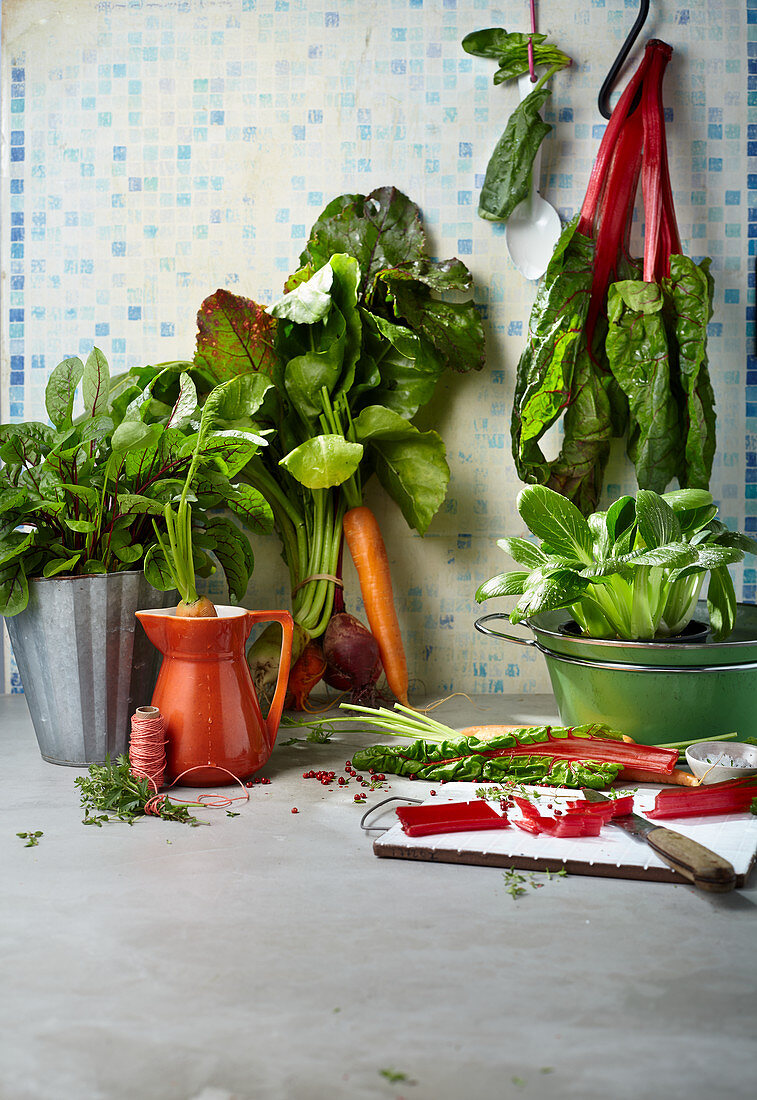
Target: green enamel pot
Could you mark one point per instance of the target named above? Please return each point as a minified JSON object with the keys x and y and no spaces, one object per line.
{"x":666,"y":690}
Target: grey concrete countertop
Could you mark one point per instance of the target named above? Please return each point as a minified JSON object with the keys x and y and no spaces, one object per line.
{"x":272,"y":956}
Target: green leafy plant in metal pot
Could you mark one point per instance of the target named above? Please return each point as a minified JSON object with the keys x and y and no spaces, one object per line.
{"x":633,"y":572}
{"x":88,"y":494}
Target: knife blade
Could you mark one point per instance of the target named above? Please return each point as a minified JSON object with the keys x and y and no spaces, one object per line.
{"x":701,"y":866}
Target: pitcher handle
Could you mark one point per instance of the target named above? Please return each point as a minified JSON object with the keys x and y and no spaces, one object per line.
{"x":273,"y":717}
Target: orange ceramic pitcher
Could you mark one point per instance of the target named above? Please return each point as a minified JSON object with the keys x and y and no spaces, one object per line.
{"x":206,"y":695}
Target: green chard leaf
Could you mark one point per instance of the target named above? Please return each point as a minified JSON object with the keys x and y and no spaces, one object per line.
{"x":95,"y":386}
{"x":637,"y":351}
{"x":578,"y":470}
{"x":234,"y":336}
{"x":545,"y":371}
{"x":410,"y":464}
{"x":406,"y":369}
{"x":381,"y":230}
{"x":310,"y":301}
{"x":454,"y":329}
{"x":691,"y":289}
{"x":61,"y":390}
{"x":323,"y":461}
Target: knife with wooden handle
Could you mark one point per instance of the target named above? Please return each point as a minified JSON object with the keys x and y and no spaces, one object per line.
{"x":702,"y":867}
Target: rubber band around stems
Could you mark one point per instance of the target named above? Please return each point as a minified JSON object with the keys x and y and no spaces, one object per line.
{"x":319,"y":577}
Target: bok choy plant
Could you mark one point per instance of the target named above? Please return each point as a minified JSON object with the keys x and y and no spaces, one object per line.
{"x":633,"y":572}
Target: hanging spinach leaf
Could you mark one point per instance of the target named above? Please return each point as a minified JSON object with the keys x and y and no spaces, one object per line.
{"x":508,"y":174}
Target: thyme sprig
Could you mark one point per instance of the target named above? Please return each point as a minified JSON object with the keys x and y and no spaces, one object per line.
{"x":32,"y":839}
{"x":117,"y":792}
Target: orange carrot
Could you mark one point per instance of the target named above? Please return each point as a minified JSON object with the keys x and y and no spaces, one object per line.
{"x":363,"y":537}
{"x":483,"y":732}
{"x":639,"y":775}
{"x":306,"y":672}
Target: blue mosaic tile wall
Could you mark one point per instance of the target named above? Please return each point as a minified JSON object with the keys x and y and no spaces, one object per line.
{"x":153,"y":151}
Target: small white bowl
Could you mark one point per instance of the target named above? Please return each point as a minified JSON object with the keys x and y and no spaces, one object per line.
{"x":700,"y":759}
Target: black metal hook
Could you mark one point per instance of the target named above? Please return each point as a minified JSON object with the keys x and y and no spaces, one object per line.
{"x":605,"y":91}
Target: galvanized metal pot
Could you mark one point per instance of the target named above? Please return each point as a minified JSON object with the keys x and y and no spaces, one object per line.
{"x":653,"y":691}
{"x":85,"y":662}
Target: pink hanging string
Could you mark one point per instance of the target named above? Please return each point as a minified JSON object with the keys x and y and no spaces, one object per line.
{"x":210,"y":801}
{"x":531,"y":68}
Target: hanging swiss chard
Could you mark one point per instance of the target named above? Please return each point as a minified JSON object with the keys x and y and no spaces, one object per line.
{"x":354,"y":349}
{"x":618,"y":344}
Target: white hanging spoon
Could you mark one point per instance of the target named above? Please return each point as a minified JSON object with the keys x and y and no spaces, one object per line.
{"x":533,"y":229}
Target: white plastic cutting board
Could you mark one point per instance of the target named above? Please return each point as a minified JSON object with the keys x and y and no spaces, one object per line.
{"x":613,"y":853}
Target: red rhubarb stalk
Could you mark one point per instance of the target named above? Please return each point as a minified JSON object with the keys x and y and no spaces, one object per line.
{"x":732,"y":797}
{"x":597,"y":179}
{"x":653,"y":120}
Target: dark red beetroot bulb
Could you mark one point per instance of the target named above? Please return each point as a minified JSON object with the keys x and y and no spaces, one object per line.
{"x":352,"y":656}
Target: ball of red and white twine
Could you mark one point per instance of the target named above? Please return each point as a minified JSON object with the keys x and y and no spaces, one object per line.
{"x":147,"y":758}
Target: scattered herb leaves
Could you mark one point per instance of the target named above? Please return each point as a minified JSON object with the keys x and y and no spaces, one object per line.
{"x":113,"y":789}
{"x":32,"y":839}
{"x":394,"y":1076}
{"x":517,"y":884}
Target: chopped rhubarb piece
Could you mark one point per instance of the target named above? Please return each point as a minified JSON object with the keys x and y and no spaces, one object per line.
{"x":576,"y":821}
{"x":732,"y":797}
{"x":449,"y":817}
{"x":613,"y":807}
{"x":585,"y":825}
